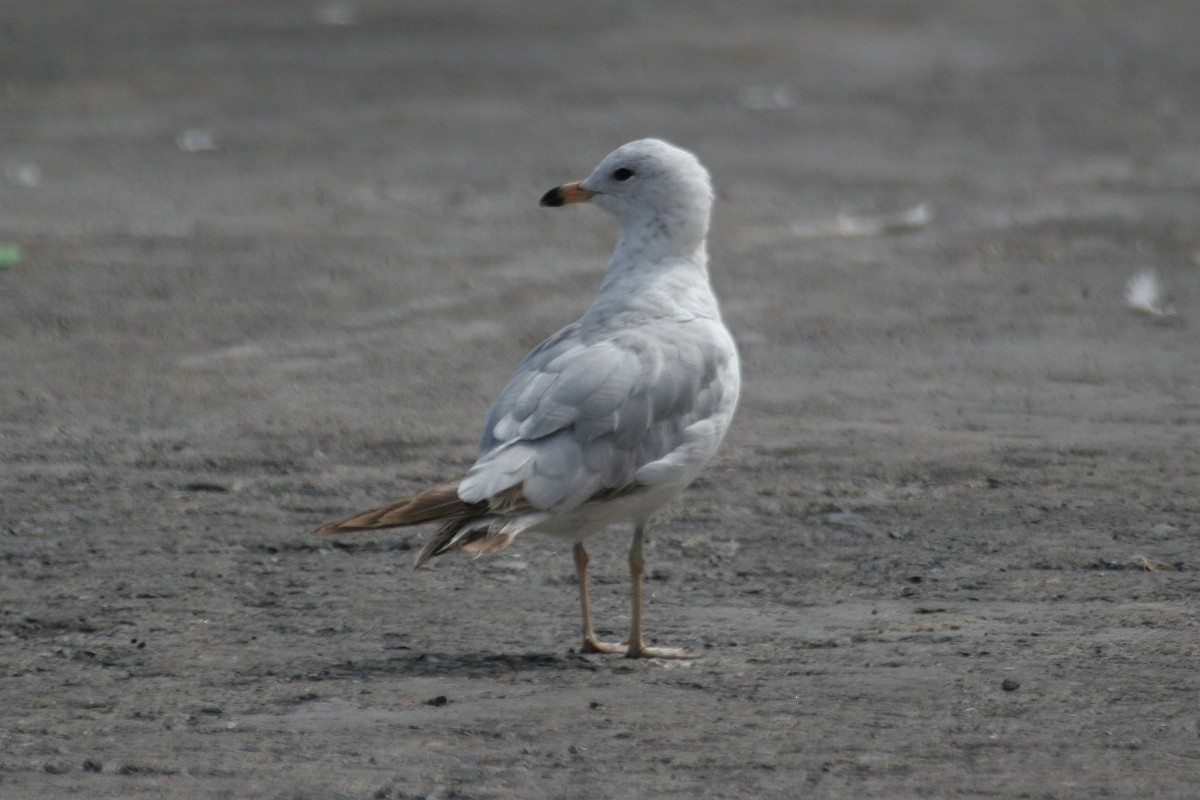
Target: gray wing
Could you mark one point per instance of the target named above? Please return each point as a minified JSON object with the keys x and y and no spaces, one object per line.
{"x":583,"y":415}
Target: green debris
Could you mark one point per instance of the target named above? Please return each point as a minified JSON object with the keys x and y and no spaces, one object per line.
{"x":10,"y":254}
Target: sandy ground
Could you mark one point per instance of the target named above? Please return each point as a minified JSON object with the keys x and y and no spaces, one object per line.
{"x":949,"y":549}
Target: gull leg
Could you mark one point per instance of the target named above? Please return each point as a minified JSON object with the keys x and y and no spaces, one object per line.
{"x":590,"y":644}
{"x":637,"y":568}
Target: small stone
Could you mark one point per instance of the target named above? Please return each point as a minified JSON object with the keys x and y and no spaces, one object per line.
{"x":92,"y":765}
{"x":438,"y":701}
{"x":1010,"y":685}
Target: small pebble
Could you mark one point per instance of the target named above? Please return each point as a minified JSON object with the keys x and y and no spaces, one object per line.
{"x":92,"y":765}
{"x":440,"y":700}
{"x":1010,"y":685}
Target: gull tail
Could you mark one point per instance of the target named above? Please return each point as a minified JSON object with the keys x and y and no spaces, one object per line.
{"x":440,"y":502}
{"x":478,"y":535}
{"x":474,"y":527}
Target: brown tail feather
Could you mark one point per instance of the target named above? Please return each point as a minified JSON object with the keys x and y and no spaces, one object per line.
{"x":452,"y":536}
{"x":439,"y":502}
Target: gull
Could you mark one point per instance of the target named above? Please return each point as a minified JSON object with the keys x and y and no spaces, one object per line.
{"x":614,"y":415}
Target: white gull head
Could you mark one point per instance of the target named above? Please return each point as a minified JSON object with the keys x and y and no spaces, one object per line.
{"x":658,"y":192}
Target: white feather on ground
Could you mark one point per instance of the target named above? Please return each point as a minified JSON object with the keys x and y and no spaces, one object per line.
{"x":1143,"y":293}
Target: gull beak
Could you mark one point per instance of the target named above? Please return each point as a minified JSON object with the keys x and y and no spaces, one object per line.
{"x":565,"y":195}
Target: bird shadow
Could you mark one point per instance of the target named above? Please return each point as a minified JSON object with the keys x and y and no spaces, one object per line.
{"x":463,"y":665}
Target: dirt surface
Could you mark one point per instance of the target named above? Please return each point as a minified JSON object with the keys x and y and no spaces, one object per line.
{"x":273,"y":270}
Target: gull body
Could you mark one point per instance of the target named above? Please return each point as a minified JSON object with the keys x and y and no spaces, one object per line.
{"x":615,"y":414}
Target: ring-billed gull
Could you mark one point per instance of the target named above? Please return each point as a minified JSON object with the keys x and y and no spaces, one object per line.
{"x":615,"y":414}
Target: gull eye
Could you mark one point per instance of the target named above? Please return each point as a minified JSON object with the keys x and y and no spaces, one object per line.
{"x":622,"y":174}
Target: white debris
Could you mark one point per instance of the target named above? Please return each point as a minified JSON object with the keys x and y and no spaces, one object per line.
{"x":27,"y":175}
{"x":336,"y":14}
{"x":765,"y":98}
{"x":910,"y":219}
{"x":1143,"y":293}
{"x":197,"y":140}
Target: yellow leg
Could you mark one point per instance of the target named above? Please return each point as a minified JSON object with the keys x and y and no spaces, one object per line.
{"x":637,"y":568}
{"x":590,"y":644}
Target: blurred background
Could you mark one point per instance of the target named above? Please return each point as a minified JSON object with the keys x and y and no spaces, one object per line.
{"x":200,"y":191}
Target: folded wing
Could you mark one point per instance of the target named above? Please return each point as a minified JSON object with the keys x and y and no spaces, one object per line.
{"x":584,"y":416}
